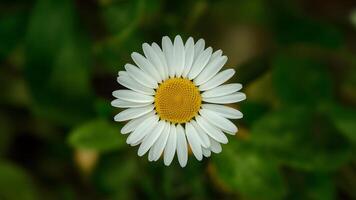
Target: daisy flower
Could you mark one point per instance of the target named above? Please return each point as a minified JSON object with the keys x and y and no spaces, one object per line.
{"x":174,"y":100}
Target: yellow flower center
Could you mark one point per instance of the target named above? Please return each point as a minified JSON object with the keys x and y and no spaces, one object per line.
{"x":177,"y":100}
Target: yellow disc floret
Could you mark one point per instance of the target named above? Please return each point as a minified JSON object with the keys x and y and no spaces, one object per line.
{"x":177,"y":100}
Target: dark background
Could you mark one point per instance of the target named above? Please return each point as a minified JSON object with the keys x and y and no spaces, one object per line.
{"x":58,"y":66}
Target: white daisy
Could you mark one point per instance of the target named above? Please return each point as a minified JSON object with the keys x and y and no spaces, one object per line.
{"x":173,"y":100}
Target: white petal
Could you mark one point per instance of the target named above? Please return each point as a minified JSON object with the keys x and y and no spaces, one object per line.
{"x":222,"y":90}
{"x":224,"y":111}
{"x":212,"y":131}
{"x":151,"y":138}
{"x":217,"y":80}
{"x":129,"y":95}
{"x":119,"y":103}
{"x":142,"y":130}
{"x":178,"y":56}
{"x":133,"y":113}
{"x":161,"y":56}
{"x":206,"y":152}
{"x":215,"y":146}
{"x":199,"y":63}
{"x":121,"y":73}
{"x":194,"y":141}
{"x":130,"y":83}
{"x":146,"y":66}
{"x":159,"y":145}
{"x":150,"y":154}
{"x":204,"y":138}
{"x":171,"y":145}
{"x":198,"y":48}
{"x":210,"y":70}
{"x":167,"y":47}
{"x":140,"y":76}
{"x":231,"y":98}
{"x":216,"y":54}
{"x":136,"y":143}
{"x":221,"y":122}
{"x":133,"y":124}
{"x":182,"y":148}
{"x":154,"y":59}
{"x":189,"y":56}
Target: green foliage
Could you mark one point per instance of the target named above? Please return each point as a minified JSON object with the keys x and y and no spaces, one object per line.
{"x":253,"y":111}
{"x":15,"y":183}
{"x":58,"y":67}
{"x":122,"y":15}
{"x":97,"y":135}
{"x":5,"y":136}
{"x":11,"y":31}
{"x":115,"y":177}
{"x":178,"y":183}
{"x":312,"y":186}
{"x":58,"y":63}
{"x":253,"y":11}
{"x":290,"y":135}
{"x":301,"y":80}
{"x":344,"y":119}
{"x":249,"y":173}
{"x":292,"y":28}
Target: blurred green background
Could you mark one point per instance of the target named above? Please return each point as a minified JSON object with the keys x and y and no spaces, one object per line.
{"x":58,"y":66}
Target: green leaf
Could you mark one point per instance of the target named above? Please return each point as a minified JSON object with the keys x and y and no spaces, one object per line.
{"x":122,"y":15}
{"x":115,"y":176}
{"x":12,"y":27}
{"x":13,"y":90}
{"x":103,"y":108}
{"x":300,"y":80}
{"x":298,"y":137}
{"x":280,"y":129}
{"x":247,"y":12}
{"x":115,"y":53}
{"x":252,"y":111}
{"x":313,"y":186}
{"x":175,"y":182}
{"x":320,"y":187}
{"x":15,"y":183}
{"x":97,"y":135}
{"x":344,"y":119}
{"x":254,"y":11}
{"x":178,"y":183}
{"x":58,"y":64}
{"x":249,"y":173}
{"x":291,"y":27}
{"x":6,"y":127}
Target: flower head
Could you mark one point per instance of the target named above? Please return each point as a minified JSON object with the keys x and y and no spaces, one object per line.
{"x":174,"y":99}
